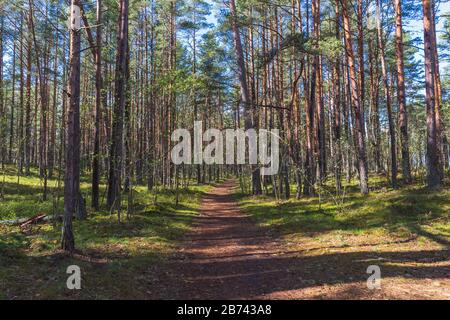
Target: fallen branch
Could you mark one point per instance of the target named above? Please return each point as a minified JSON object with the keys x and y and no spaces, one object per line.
{"x":21,"y":221}
{"x":32,"y":220}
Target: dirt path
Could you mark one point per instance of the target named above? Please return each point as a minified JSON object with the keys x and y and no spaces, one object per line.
{"x":223,"y":250}
{"x":226,"y":256}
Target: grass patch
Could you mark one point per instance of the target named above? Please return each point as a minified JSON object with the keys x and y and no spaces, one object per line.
{"x":116,"y":260}
{"x":404,"y":212}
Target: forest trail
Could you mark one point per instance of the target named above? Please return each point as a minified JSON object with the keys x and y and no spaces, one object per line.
{"x":223,"y":252}
{"x":227,"y":256}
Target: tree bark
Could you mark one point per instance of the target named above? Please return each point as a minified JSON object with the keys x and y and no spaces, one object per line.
{"x":28,"y":125}
{"x":362,"y":90}
{"x":440,"y":131}
{"x":359,"y":115}
{"x":52,"y":146}
{"x":245,"y":95}
{"x":13,"y":107}
{"x":97,"y":110}
{"x":401,"y":96}
{"x":388,"y":99}
{"x":433,"y":174}
{"x":336,"y":112}
{"x":72,"y":173}
{"x":2,"y":111}
{"x":317,"y":95}
{"x":116,"y":150}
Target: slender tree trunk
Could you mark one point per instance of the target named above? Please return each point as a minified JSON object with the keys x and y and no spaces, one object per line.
{"x":245,"y":96}
{"x":43,"y":95}
{"x":359,"y":115}
{"x":21,"y":152}
{"x":401,"y":96}
{"x":317,"y":93}
{"x":375,"y":134}
{"x":28,"y":125}
{"x":433,"y":174}
{"x":13,"y":107}
{"x":52,"y":146}
{"x":72,"y":173}
{"x":336,"y":112}
{"x":440,"y":130}
{"x":388,"y":99}
{"x":2,"y":104}
{"x":116,"y":151}
{"x":97,"y":111}
{"x":308,"y":85}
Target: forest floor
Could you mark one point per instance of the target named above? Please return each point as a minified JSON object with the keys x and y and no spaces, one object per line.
{"x":117,"y":261}
{"x":219,"y":243}
{"x":241,"y":253}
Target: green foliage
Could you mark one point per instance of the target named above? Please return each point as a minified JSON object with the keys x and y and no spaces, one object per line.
{"x":213,"y":60}
{"x":330,"y":47}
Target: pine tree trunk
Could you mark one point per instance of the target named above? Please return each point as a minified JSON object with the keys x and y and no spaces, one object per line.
{"x":72,"y":173}
{"x":245,"y":96}
{"x":401,"y":96}
{"x":51,"y":148}
{"x":336,"y":112}
{"x":388,"y":99}
{"x":440,"y":131}
{"x":317,"y":95}
{"x":13,"y":107}
{"x":97,"y":111}
{"x":375,"y":134}
{"x":28,"y":125}
{"x":116,"y":151}
{"x":2,"y":104}
{"x":361,"y":52}
{"x":355,"y":101}
{"x":433,"y":174}
{"x":21,"y":152}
